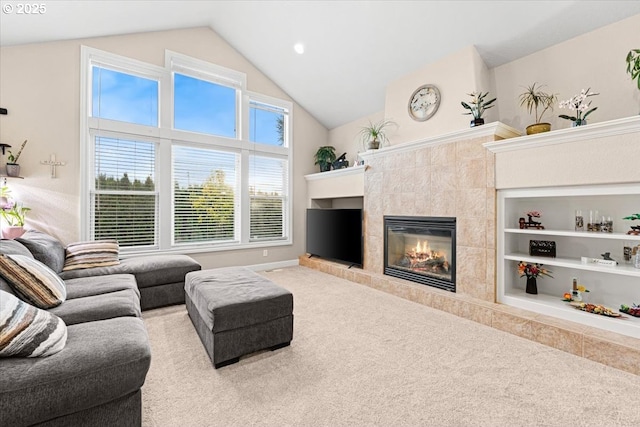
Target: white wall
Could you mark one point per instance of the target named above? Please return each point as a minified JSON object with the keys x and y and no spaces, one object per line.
{"x":595,"y":59}
{"x":40,"y":86}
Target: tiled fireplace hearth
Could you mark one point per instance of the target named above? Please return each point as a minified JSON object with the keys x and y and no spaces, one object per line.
{"x":453,"y":176}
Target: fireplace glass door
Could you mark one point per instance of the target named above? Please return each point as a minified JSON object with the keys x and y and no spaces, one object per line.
{"x":421,"y":249}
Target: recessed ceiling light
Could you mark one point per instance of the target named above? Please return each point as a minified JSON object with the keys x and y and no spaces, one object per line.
{"x":299,"y":48}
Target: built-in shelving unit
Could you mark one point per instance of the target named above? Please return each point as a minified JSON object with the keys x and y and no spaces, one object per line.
{"x":337,"y":188}
{"x":609,"y":285}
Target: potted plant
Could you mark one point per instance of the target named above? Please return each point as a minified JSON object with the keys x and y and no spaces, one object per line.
{"x":533,"y":99}
{"x":13,"y":168}
{"x":477,"y":106}
{"x":633,"y":65}
{"x":373,"y":135}
{"x":14,"y":216}
{"x":580,"y":105}
{"x":324,"y":157}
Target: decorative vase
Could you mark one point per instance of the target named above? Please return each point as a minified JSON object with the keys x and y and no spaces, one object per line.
{"x":13,"y":169}
{"x":538,"y":128}
{"x":374,"y":144}
{"x":12,"y":232}
{"x":581,"y":122}
{"x":324,"y":167}
{"x":476,"y":122}
{"x":532,"y":285}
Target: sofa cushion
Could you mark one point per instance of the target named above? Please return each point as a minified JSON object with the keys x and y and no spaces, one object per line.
{"x":99,"y":307}
{"x":27,"y":331}
{"x":101,"y":362}
{"x":13,"y":247}
{"x":32,"y":281}
{"x":45,"y":248}
{"x":97,"y":285}
{"x":149,"y":270}
{"x":99,"y":253}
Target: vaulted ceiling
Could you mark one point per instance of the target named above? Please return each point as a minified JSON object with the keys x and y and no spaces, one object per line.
{"x":353,"y":49}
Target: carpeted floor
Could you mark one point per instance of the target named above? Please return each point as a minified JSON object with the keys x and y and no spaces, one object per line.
{"x":364,"y":357}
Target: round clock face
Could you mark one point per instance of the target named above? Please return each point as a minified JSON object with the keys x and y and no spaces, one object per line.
{"x":424,"y":103}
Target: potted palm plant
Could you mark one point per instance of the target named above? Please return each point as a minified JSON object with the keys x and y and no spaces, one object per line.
{"x":324,"y":157}
{"x":538,"y":102}
{"x":477,"y":106}
{"x":374,"y":135}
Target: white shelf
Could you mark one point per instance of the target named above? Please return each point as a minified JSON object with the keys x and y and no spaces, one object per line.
{"x":585,"y":234}
{"x":621,"y":269}
{"x":554,"y":306}
{"x":609,"y":285}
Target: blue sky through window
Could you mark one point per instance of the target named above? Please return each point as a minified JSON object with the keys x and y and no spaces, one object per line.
{"x":124,"y":97}
{"x":202,"y":106}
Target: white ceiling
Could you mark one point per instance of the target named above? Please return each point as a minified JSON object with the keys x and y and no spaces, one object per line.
{"x":353,"y":48}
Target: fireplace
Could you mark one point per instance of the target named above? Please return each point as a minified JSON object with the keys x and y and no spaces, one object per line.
{"x":421,"y":249}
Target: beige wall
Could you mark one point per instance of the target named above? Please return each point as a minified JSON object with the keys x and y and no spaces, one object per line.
{"x":345,"y":138}
{"x":595,"y":59}
{"x":40,"y":86}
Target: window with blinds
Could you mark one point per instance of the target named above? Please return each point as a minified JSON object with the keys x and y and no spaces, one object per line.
{"x":268,"y":187}
{"x":202,"y":164}
{"x":205,"y":184}
{"x":124,"y":200}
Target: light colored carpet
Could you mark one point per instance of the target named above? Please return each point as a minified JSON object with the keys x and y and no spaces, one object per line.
{"x":364,"y":357}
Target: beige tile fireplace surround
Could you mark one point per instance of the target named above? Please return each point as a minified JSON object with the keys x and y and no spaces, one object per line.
{"x":456,"y":175}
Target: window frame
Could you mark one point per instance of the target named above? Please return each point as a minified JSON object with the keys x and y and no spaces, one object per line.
{"x":165,"y":136}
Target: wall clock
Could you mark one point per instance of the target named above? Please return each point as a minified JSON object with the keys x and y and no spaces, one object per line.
{"x":424,"y":103}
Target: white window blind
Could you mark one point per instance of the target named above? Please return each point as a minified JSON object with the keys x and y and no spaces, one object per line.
{"x":124,"y":200}
{"x":268,"y":184}
{"x":205,"y":187}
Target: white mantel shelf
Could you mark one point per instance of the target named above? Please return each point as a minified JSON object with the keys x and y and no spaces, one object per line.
{"x":490,"y":129}
{"x":354,"y":170}
{"x":572,"y":134}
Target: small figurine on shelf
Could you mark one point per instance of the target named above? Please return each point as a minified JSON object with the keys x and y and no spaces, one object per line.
{"x":635,"y":229}
{"x":531,"y":223}
{"x":607,"y":256}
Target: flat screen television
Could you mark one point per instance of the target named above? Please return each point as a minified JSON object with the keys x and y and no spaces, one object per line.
{"x":335,"y":234}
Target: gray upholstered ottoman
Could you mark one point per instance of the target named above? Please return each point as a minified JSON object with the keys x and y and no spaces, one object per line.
{"x":236,"y":312}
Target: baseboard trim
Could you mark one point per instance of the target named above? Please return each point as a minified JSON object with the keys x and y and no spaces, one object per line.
{"x":274,"y":265}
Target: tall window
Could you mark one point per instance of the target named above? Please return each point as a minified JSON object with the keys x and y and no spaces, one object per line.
{"x":182,"y":156}
{"x":268,"y":181}
{"x":124,"y":200}
{"x":204,"y":194}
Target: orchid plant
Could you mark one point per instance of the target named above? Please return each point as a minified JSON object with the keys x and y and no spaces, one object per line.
{"x":580,"y":105}
{"x":13,"y":213}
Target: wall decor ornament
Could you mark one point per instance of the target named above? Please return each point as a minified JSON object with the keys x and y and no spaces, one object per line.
{"x":424,"y":102}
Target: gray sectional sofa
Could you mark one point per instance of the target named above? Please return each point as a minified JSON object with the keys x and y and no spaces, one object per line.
{"x":96,"y":379}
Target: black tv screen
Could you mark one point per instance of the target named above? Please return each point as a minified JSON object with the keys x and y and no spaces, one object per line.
{"x":335,"y":234}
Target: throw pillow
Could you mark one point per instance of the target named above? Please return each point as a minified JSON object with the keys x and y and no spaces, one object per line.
{"x":27,"y":331}
{"x":33,"y":281}
{"x":99,"y":253}
{"x":45,"y":248}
